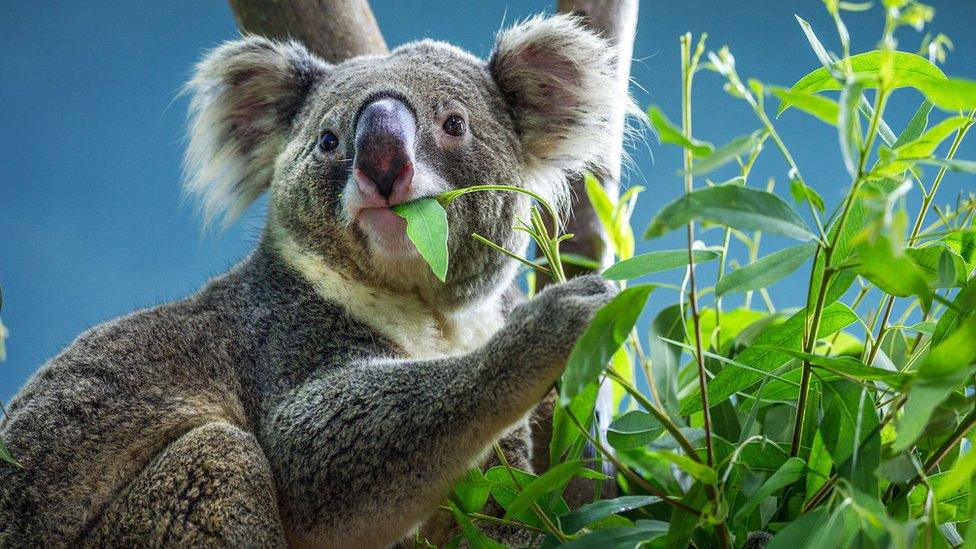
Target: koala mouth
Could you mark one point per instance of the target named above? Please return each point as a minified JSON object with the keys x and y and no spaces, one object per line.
{"x":386,"y":233}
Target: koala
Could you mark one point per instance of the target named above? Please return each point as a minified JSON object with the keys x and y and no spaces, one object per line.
{"x":327,"y":390}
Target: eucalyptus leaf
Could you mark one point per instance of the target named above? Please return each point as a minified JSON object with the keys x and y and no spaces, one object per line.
{"x":850,"y":366}
{"x":920,"y":148}
{"x":472,"y":491}
{"x":726,"y":153}
{"x":814,"y":530}
{"x":916,"y":126}
{"x":665,"y":358}
{"x":947,"y":365}
{"x":683,"y":523}
{"x":653,"y":262}
{"x":824,"y":108}
{"x":760,"y":356}
{"x":964,"y":307}
{"x":606,"y":333}
{"x":553,"y":480}
{"x":850,"y":433}
{"x":900,"y":68}
{"x":791,"y":471}
{"x":827,"y":60}
{"x":6,"y":456}
{"x":620,"y":538}
{"x":564,"y":431}
{"x":819,"y":464}
{"x":702,"y":472}
{"x":634,"y":429}
{"x":737,"y":207}
{"x":940,"y":264}
{"x":600,"y":509}
{"x":965,"y":166}
{"x":953,"y":94}
{"x":765,"y":271}
{"x":427,"y":229}
{"x":669,"y":133}
{"x":504,"y":491}
{"x":475,"y":537}
{"x":893,"y":274}
{"x":600,"y":201}
{"x":803,"y":193}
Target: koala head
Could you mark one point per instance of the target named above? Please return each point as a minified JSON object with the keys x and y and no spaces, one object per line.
{"x":337,"y":145}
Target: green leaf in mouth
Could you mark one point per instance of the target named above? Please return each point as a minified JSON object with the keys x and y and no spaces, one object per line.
{"x":427,"y":229}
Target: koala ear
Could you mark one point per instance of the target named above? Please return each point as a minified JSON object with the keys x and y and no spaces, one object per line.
{"x":245,"y":95}
{"x":560,"y":82}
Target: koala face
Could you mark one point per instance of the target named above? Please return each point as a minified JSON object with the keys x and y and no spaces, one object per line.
{"x":338,"y":145}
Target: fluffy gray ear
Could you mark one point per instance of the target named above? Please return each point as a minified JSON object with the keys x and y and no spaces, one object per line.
{"x":245,"y":94}
{"x":560,"y":82}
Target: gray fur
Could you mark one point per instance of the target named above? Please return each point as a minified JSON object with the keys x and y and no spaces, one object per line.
{"x":265,"y":409}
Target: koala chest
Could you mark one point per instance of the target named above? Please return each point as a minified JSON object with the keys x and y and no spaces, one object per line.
{"x":418,"y":329}
{"x":426,"y":334}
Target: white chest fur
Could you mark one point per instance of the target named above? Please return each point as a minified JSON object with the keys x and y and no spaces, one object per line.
{"x":418,"y":328}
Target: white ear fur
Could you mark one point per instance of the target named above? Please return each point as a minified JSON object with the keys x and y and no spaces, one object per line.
{"x":560,"y":81}
{"x":245,"y":95}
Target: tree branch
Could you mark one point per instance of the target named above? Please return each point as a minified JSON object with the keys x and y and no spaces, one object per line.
{"x":336,"y":30}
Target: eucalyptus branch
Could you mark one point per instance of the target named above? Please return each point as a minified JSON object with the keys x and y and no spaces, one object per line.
{"x":812,"y":327}
{"x":499,"y":521}
{"x":933,"y":461}
{"x":512,"y":255}
{"x":550,"y":526}
{"x":689,"y":64}
{"x":927,"y":199}
{"x":658,"y":414}
{"x":627,"y":471}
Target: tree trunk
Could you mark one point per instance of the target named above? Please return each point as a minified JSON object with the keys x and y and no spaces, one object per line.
{"x":336,"y":30}
{"x":615,"y":20}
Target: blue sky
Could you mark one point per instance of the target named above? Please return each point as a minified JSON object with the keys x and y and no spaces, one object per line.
{"x":92,"y":220}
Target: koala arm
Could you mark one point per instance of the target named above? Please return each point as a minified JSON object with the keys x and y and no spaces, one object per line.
{"x":366,"y":451}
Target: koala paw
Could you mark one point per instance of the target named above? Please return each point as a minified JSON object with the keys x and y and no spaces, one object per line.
{"x":546,"y":328}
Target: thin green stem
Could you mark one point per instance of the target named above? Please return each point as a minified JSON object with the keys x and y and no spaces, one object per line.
{"x":658,"y":414}
{"x":499,"y":521}
{"x":512,"y":255}
{"x":810,"y":334}
{"x":637,"y":479}
{"x":446,"y":198}
{"x":689,"y":63}
{"x":550,"y":526}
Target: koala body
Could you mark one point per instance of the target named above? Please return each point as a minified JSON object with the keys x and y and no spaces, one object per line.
{"x":328,"y":390}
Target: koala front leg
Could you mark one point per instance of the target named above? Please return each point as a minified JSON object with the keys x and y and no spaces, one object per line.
{"x":364,"y":453}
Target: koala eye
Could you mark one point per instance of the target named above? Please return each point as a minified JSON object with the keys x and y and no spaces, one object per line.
{"x":328,"y":142}
{"x":454,"y":125}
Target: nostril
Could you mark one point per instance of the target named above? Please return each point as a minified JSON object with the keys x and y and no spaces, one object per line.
{"x":386,"y":171}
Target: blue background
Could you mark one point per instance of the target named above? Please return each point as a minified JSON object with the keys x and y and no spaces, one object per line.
{"x":92,"y":221}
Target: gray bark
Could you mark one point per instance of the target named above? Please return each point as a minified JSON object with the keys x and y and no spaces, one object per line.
{"x":334,"y":29}
{"x":615,"y":20}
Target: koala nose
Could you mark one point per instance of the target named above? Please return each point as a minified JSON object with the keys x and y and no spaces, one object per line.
{"x":385,"y":134}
